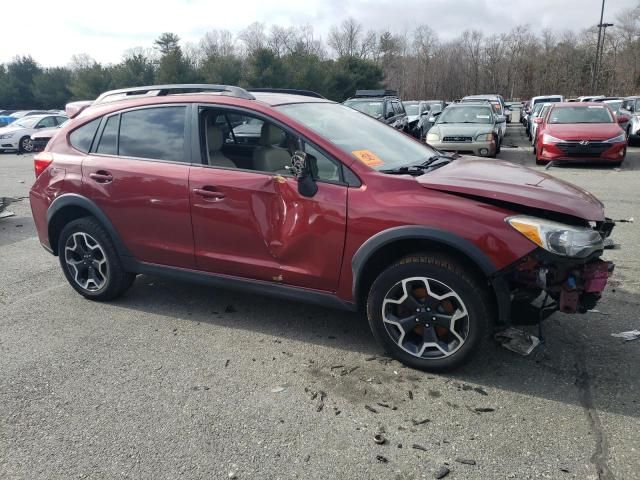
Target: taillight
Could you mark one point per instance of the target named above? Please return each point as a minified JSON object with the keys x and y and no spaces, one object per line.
{"x":41,"y":161}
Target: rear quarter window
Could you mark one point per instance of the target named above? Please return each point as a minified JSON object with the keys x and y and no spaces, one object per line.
{"x":82,"y":138}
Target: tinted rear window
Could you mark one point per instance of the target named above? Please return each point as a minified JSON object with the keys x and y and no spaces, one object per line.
{"x":156,"y":133}
{"x":82,"y":138}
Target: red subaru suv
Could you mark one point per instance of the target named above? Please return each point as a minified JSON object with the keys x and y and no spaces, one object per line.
{"x":288,"y":194}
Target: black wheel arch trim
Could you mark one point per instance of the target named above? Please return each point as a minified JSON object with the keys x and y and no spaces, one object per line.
{"x":75,"y":200}
{"x":417,"y":232}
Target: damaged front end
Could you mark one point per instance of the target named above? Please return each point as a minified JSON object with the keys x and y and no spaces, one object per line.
{"x":564,"y":274}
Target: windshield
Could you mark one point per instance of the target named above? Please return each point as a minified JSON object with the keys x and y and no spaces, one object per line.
{"x":411,"y":108}
{"x":479,"y":114}
{"x":373,"y":109}
{"x":614,"y":105}
{"x":590,"y":114}
{"x":27,"y":122}
{"x":370,"y":141}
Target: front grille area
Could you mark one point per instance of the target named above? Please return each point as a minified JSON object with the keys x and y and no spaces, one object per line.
{"x":591,"y":149}
{"x":456,"y":139}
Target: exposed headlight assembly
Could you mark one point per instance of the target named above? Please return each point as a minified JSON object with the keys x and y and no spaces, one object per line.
{"x":620,"y":138}
{"x":559,"y":238}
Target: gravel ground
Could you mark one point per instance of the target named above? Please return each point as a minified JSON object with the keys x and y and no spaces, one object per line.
{"x":181,"y":380}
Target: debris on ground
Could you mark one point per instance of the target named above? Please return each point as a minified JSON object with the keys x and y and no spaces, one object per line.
{"x":278,"y":389}
{"x":625,"y":220}
{"x":382,"y":459}
{"x":465,"y":461}
{"x":628,"y":336}
{"x":443,"y":472}
{"x":410,"y":395}
{"x":4,"y":203}
{"x":610,"y":244}
{"x":415,"y":446}
{"x":371,"y":409}
{"x":320,"y":406}
{"x":518,"y":341}
{"x":419,"y":422}
{"x":379,"y":439}
{"x":230,"y":309}
{"x":480,"y":391}
{"x":484,"y":409}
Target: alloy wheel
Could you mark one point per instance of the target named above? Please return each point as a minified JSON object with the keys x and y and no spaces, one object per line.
{"x":425,"y":317}
{"x":26,"y":144}
{"x":86,"y":261}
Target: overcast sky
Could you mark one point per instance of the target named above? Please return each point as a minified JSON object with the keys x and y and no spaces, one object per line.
{"x":52,"y":31}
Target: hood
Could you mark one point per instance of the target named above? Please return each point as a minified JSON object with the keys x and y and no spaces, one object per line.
{"x":10,"y":129}
{"x":463,"y":129}
{"x":508,"y":182}
{"x":583,"y":131}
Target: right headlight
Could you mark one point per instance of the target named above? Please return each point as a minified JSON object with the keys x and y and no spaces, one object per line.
{"x":546,"y":138}
{"x":433,"y":137}
{"x":484,"y":137}
{"x":6,"y":135}
{"x":620,"y":138}
{"x":559,"y":238}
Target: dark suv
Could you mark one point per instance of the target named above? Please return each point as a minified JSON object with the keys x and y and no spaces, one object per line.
{"x":383,"y":105}
{"x":330,"y":207}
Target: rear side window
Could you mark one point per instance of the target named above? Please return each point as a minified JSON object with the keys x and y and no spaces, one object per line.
{"x":108,"y":144}
{"x":155,"y":133}
{"x":82,"y":138}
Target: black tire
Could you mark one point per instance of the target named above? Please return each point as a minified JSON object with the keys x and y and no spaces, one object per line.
{"x":445,"y":272}
{"x":116,"y":279}
{"x":25,"y":145}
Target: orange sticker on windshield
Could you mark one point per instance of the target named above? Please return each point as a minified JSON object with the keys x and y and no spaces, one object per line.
{"x":368,"y":158}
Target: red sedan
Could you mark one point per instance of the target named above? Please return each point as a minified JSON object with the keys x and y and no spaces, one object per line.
{"x":579,"y":132}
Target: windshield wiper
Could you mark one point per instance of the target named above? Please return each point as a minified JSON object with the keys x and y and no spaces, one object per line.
{"x":414,"y":170}
{"x":439,"y":159}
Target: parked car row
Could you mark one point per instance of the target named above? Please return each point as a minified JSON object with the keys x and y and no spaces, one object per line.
{"x":18,"y":134}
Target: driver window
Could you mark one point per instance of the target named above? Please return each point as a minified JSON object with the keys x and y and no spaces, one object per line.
{"x":46,"y":122}
{"x":237,"y":140}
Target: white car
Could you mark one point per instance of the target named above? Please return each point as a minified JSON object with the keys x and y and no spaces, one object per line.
{"x":17,"y":135}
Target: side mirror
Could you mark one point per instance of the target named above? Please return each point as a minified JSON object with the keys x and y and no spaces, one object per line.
{"x":307,"y":186}
{"x":622,"y":118}
{"x":537,"y":120}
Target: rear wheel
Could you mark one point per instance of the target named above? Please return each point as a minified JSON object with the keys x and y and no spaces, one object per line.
{"x":428,"y":312}
{"x":90,"y":261}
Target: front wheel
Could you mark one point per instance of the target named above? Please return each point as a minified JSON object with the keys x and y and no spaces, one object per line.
{"x":428,"y":312}
{"x":90,"y":261}
{"x":26,"y":145}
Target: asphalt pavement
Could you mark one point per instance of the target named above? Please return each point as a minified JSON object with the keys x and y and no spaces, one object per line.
{"x":182,"y":381}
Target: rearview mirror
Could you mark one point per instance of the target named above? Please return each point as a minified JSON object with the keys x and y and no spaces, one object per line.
{"x":307,"y":186}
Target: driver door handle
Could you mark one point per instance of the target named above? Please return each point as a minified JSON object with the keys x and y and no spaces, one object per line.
{"x":210,"y":194}
{"x":101,"y":176}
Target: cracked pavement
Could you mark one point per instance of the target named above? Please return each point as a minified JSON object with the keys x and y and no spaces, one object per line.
{"x":176,"y":379}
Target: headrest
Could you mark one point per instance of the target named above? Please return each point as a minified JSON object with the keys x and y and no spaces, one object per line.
{"x":214,"y":138}
{"x":270,"y":134}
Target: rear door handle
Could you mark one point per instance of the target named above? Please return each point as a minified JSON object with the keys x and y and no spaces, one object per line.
{"x":101,"y":176}
{"x":211,"y":194}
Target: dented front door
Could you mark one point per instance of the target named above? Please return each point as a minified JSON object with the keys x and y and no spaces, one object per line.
{"x":256,"y":225}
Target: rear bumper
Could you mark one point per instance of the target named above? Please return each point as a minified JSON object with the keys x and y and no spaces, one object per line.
{"x":551,"y":151}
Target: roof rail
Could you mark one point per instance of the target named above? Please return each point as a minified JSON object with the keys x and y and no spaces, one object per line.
{"x":74,"y":109}
{"x":376,"y":93}
{"x":161,"y":90}
{"x":291,"y":91}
